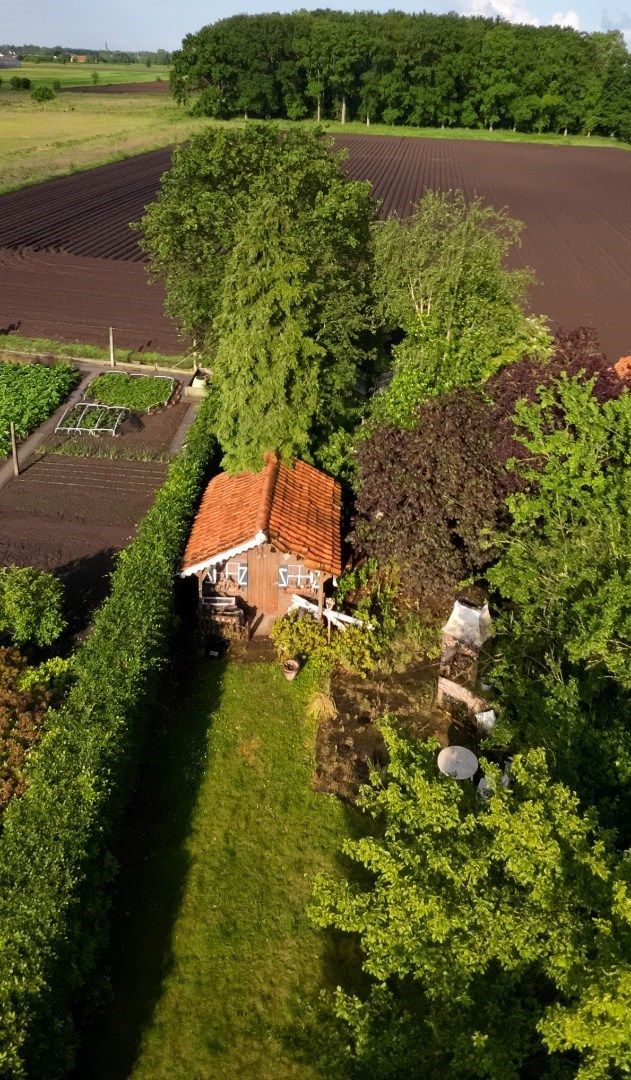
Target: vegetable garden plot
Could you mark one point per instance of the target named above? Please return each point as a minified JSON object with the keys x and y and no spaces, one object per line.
{"x":91,"y":419}
{"x":137,"y":392}
{"x":29,"y":393}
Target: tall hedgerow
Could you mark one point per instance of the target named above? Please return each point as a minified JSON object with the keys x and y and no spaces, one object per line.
{"x":55,"y":849}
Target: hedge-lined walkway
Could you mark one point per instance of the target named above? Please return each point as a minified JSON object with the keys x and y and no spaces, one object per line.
{"x":211,"y":941}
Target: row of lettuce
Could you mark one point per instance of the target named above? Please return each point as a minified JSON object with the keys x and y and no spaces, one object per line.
{"x":55,"y":861}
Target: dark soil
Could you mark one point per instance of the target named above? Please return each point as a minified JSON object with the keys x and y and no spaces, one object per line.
{"x":71,"y":516}
{"x":573,"y":200}
{"x":148,"y":434}
{"x":157,"y":87}
{"x":76,"y":299}
{"x":350,"y":743}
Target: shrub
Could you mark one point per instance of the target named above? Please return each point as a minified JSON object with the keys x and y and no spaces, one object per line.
{"x":15,"y":82}
{"x":22,"y":717}
{"x":298,"y":637}
{"x":31,"y":604}
{"x":42,"y":93}
{"x":56,"y":85}
{"x":55,"y":861}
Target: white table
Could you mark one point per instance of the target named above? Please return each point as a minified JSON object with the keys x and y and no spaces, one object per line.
{"x":457,"y":762}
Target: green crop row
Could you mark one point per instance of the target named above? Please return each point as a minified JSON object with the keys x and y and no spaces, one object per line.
{"x":137,"y":392}
{"x":29,"y":393}
{"x":55,"y":849}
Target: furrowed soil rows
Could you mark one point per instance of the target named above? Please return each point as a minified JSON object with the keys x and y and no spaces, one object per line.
{"x":71,"y":516}
{"x":574,"y":202}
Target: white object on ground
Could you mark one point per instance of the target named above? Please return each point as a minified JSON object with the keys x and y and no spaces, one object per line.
{"x":471,"y":626}
{"x":457,"y":762}
{"x":486,"y":719}
{"x":335,"y":617}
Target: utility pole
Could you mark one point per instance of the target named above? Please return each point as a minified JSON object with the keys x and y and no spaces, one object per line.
{"x":111,"y":346}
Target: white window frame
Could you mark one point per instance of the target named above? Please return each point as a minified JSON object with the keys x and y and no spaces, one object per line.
{"x":297,"y":576}
{"x":236,"y":572}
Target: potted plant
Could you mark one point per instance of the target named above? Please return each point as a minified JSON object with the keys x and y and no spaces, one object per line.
{"x":290,"y":669}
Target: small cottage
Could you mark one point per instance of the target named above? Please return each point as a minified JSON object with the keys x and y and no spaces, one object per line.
{"x":260,"y":538}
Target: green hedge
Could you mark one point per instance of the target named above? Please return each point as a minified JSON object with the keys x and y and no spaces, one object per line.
{"x":55,"y":861}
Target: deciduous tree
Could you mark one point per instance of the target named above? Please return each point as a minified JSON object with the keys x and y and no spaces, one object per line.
{"x":486,"y":927}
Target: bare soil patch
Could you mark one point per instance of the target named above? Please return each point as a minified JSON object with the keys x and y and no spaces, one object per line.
{"x":71,"y":516}
{"x":573,"y":200}
{"x":149,"y":434}
{"x":161,"y":86}
{"x":76,"y":299}
{"x":349,"y":743}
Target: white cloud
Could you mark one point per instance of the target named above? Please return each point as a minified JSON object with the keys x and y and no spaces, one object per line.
{"x":569,"y":18}
{"x":621,"y":20}
{"x":512,"y":10}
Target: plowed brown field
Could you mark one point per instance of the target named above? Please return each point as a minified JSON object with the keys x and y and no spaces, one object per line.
{"x":88,"y":272}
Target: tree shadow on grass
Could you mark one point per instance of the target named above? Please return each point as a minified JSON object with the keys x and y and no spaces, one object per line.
{"x":154,"y":867}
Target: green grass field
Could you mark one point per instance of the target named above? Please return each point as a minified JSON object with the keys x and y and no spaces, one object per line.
{"x":80,"y":74}
{"x":211,"y":941}
{"x":80,"y":131}
{"x":480,"y":134}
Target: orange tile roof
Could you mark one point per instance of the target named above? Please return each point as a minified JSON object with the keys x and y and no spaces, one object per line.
{"x":298,"y":509}
{"x":622,"y":368}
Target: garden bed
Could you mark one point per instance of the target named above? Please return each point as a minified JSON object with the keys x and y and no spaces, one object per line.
{"x":349,"y":741}
{"x":140,"y":436}
{"x":29,"y":394}
{"x":138,"y":393}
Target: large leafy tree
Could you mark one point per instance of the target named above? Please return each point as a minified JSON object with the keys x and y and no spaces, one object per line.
{"x":293,"y":308}
{"x":563,"y":643}
{"x":487,"y":929}
{"x":440,"y":278}
{"x":566,"y":560}
{"x":190,"y":230}
{"x":427,"y":496}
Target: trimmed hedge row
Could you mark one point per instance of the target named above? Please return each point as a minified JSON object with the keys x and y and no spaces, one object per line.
{"x":55,"y":861}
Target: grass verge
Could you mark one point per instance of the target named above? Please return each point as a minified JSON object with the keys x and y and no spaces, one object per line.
{"x":12,"y":345}
{"x":211,"y":940}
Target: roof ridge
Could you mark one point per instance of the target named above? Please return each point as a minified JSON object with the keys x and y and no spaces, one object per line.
{"x":270,"y":475}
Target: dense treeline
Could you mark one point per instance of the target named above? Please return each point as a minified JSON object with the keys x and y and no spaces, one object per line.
{"x":427,"y":70}
{"x":41,"y":54}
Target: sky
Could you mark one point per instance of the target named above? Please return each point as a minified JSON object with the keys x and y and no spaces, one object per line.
{"x":155,"y":24}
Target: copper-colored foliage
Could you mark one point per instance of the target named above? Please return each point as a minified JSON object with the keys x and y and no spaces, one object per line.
{"x":22,"y":715}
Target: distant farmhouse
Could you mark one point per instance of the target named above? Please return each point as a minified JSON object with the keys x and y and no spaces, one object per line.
{"x":81,"y":59}
{"x":9,"y":60}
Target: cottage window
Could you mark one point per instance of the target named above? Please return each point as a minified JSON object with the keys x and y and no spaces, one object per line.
{"x":237,"y":572}
{"x":296,"y":575}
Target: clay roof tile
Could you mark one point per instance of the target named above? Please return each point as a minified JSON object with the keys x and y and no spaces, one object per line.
{"x":297,"y":507}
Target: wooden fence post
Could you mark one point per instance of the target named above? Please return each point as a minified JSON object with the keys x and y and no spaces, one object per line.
{"x":14,"y":449}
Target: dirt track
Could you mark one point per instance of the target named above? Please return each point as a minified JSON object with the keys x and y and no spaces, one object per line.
{"x":575,"y":203}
